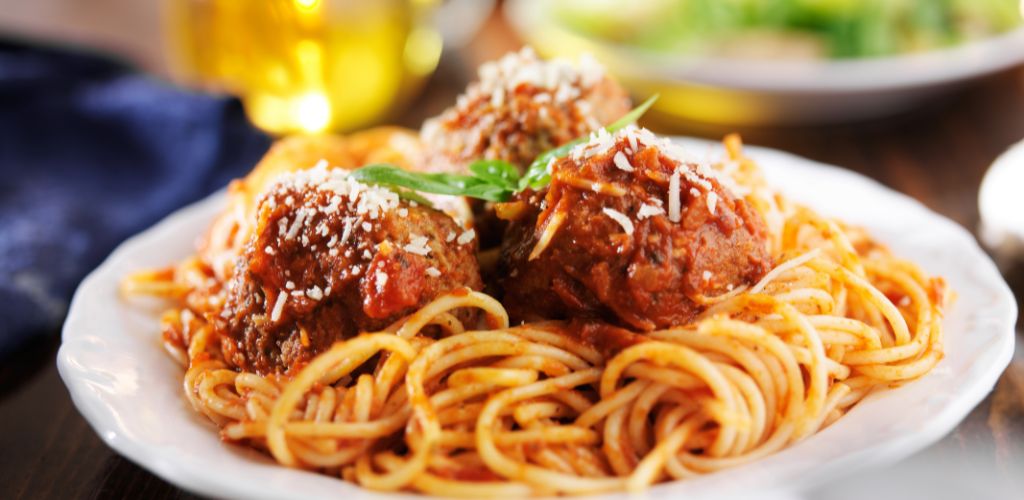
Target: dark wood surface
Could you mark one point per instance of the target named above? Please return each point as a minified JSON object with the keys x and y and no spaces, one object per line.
{"x":937,"y":154}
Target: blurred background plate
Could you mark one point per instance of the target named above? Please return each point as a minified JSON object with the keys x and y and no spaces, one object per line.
{"x":776,"y":91}
{"x":1002,"y":208}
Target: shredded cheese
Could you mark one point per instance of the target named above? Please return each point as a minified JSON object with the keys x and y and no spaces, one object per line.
{"x":673,"y":196}
{"x":315,"y":293}
{"x":621,"y":218}
{"x":417,"y":245}
{"x":275,"y":315}
{"x":712,"y":201}
{"x":554,"y":222}
{"x":466,"y":237}
{"x":622,"y":162}
{"x":647,"y":210}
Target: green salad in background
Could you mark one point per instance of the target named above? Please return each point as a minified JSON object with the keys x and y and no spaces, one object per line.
{"x":789,"y":28}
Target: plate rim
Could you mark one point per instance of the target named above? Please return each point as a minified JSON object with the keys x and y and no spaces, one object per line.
{"x":102,"y":418}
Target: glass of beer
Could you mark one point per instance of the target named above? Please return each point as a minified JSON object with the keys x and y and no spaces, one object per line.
{"x":306,"y":66}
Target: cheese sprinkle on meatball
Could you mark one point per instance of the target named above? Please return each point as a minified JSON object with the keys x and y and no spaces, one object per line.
{"x":520,"y":107}
{"x":631,"y":232}
{"x":330,"y":258}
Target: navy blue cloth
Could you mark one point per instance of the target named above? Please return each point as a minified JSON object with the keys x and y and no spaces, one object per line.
{"x":92,"y":152}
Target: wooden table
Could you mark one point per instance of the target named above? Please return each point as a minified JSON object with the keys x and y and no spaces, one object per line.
{"x":937,"y":154}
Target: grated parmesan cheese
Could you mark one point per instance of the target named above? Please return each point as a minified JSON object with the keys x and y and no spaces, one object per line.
{"x":673,"y":196}
{"x":433,"y":272}
{"x":278,"y":306}
{"x":524,"y":67}
{"x":617,"y":216}
{"x":647,"y":210}
{"x":622,"y":162}
{"x":466,"y":237}
{"x":315,"y":293}
{"x":369,"y":201}
{"x":417,"y":245}
{"x":347,"y":232}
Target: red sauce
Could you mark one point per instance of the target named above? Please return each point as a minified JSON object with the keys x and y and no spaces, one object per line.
{"x":609,"y":340}
{"x":334,"y":289}
{"x":654,"y":277}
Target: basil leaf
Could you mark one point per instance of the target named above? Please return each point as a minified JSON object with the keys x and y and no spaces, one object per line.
{"x":410,"y":195}
{"x":395,"y":177}
{"x":390,"y":175}
{"x":489,"y":192}
{"x":496,"y":172}
{"x":537,"y":175}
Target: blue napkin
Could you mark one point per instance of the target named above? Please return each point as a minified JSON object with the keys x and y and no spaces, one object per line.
{"x":92,"y":152}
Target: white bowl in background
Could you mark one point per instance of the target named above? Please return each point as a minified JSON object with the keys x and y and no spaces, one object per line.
{"x":761,"y":92}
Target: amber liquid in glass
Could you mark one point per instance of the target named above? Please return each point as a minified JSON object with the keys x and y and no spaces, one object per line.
{"x":305,"y":66}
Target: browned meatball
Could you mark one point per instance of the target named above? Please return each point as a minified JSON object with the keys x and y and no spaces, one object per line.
{"x":330,"y":258}
{"x":521,"y":107}
{"x":631,"y":233}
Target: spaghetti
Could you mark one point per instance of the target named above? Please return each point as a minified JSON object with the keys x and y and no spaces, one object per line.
{"x":464,"y":409}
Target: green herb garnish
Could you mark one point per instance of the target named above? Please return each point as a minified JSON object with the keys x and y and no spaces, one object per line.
{"x":392,"y":176}
{"x":490,"y":180}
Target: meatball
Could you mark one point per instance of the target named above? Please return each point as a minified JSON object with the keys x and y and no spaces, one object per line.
{"x":331,"y":257}
{"x":628,"y":232}
{"x":232,"y":229}
{"x":521,"y":107}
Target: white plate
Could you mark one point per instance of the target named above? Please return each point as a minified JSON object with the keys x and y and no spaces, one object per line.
{"x":774,"y":91}
{"x":130,"y":391}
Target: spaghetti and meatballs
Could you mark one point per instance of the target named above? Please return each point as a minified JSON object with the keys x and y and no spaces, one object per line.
{"x":650,"y":316}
